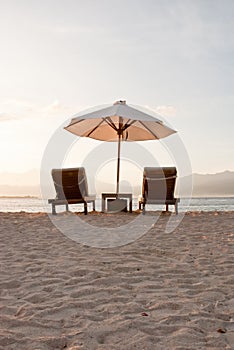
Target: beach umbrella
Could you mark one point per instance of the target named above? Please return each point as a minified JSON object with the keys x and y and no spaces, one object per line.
{"x":119,"y":122}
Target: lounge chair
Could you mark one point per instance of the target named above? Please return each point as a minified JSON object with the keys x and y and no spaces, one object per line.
{"x":71,"y":188}
{"x":158,"y":187}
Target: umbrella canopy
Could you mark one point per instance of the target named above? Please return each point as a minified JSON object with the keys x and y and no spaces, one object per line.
{"x":119,"y":122}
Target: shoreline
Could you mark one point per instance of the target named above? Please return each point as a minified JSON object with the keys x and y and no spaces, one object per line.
{"x":134,"y":196}
{"x":134,"y":212}
{"x":195,"y":204}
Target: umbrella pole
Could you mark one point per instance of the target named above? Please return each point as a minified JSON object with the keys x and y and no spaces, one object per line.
{"x":118,"y":165}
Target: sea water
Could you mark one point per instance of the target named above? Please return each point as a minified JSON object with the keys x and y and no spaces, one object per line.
{"x":34,"y":205}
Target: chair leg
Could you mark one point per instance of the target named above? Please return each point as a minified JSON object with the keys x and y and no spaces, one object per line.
{"x":143,"y":210}
{"x":130,"y":206}
{"x":53,"y":209}
{"x":94,"y":208}
{"x":67,"y":207}
{"x":176,"y":208}
{"x":139,"y":205}
{"x":85,"y":208}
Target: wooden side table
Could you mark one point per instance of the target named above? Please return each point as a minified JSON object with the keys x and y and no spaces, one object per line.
{"x":127,"y":196}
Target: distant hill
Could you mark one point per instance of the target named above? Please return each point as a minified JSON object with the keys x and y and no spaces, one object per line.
{"x":22,"y":191}
{"x":20,"y":184}
{"x":220,"y":184}
{"x":210,"y":185}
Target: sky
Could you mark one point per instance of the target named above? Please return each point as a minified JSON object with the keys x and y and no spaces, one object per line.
{"x":61,"y":57}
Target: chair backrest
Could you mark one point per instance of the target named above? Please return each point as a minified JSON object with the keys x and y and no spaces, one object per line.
{"x":70,"y":183}
{"x":159,"y":183}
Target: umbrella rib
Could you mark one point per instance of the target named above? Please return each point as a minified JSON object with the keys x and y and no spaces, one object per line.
{"x":148,"y":129}
{"x":110,"y":123}
{"x":126,"y":125}
{"x":97,"y":126}
{"x":73,"y":123}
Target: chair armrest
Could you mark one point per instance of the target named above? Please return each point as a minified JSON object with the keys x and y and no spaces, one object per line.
{"x":90,"y":198}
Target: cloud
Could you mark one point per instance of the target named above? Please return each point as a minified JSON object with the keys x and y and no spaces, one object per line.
{"x":14,"y":110}
{"x":56,"y":108}
{"x":17,"y":103}
{"x":167,"y":111}
{"x":7,"y":117}
{"x":164,"y":111}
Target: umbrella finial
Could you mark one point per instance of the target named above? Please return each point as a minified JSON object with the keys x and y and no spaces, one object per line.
{"x":121,"y":102}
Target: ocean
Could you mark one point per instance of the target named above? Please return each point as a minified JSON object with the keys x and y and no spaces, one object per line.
{"x":34,"y":205}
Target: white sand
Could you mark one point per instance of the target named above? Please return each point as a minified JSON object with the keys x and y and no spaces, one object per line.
{"x":164,"y":291}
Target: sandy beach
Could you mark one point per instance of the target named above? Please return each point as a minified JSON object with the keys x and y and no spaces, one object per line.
{"x":163,"y":291}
